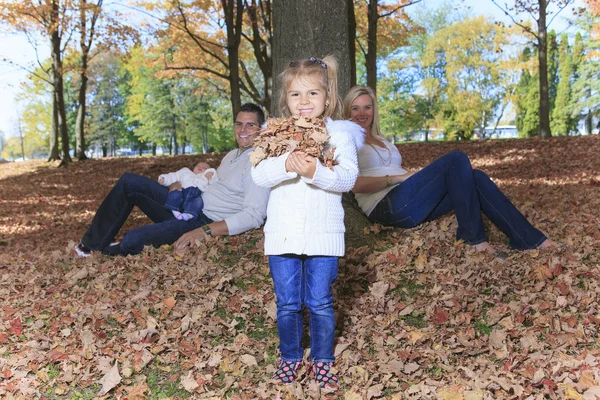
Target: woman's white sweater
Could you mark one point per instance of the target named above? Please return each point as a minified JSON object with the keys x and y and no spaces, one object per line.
{"x":305,"y":216}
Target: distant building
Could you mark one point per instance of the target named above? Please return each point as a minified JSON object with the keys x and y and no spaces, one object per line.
{"x":502,"y":132}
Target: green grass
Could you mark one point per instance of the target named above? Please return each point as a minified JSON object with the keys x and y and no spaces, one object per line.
{"x":416,"y":320}
{"x":407,"y":288}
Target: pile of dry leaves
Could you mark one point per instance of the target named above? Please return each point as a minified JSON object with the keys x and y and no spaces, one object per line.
{"x":419,"y":316}
{"x":296,"y":133}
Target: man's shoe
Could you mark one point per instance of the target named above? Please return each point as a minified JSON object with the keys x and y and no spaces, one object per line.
{"x":81,"y":250}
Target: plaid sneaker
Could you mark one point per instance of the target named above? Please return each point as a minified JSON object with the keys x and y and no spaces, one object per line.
{"x":287,"y":372}
{"x":324,"y":376}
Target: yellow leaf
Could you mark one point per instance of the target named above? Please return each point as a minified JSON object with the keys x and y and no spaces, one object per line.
{"x":415,"y":336}
{"x":451,"y":393}
{"x":570,"y":392}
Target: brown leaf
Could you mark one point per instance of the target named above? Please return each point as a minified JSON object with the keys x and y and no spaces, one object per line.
{"x":440,"y":316}
{"x":110,"y":380}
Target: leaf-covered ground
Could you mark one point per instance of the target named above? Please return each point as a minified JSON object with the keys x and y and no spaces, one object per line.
{"x":420,"y":316}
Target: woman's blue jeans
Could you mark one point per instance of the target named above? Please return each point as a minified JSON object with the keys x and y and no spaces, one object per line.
{"x":304,"y":280}
{"x":150,"y":196}
{"x":448,"y":184}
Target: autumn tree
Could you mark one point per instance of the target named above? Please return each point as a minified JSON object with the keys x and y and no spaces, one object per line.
{"x":430,"y":74}
{"x":52,"y":20}
{"x":206,"y":38}
{"x":543,"y":16}
{"x":474,"y":70}
{"x":382,"y":27}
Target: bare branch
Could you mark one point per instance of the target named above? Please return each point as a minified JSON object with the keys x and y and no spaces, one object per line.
{"x":398,"y":8}
{"x":524,"y":27}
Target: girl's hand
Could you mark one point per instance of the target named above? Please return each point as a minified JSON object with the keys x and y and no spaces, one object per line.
{"x":301,"y":163}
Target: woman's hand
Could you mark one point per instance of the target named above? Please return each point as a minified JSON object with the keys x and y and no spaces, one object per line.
{"x":301,"y":163}
{"x":186,"y":240}
{"x":372,"y":184}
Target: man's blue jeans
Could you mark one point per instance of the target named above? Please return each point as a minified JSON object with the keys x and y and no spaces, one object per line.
{"x":448,"y":184}
{"x":150,"y":196}
{"x":304,"y":280}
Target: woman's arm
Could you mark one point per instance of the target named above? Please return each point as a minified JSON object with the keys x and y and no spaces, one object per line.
{"x":371,"y":184}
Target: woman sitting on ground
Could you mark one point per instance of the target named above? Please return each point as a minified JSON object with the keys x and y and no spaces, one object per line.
{"x":391,"y":196}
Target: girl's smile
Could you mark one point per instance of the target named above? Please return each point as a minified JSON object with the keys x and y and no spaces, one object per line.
{"x":306,"y":97}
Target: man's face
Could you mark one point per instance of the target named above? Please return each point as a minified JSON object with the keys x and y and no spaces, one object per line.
{"x":246,"y":128}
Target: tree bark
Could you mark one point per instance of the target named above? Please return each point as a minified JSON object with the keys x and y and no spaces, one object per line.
{"x":262,"y":47}
{"x":352,"y":41}
{"x":371,"y":55}
{"x":80,"y":118}
{"x":233,"y":11}
{"x":544,"y":112}
{"x":54,"y":154}
{"x":57,"y":82}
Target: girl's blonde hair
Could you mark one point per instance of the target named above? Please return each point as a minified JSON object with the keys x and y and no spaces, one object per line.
{"x":353,"y":93}
{"x":325,"y":71}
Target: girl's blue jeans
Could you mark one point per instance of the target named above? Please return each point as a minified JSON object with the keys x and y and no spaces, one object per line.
{"x":304,"y":280}
{"x":451,"y":184}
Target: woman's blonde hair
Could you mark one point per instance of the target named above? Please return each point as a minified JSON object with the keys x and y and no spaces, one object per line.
{"x":325,"y":71}
{"x":353,"y":93}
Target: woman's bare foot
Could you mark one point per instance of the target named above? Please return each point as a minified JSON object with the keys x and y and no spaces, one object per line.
{"x":548,"y":245}
{"x":484,"y":246}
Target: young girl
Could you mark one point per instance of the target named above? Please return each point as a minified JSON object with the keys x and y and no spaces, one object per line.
{"x":304,"y":232}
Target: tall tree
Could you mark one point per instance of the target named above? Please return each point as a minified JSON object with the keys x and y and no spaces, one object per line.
{"x":527,"y":97}
{"x":87,"y":32}
{"x":562,"y":123}
{"x":475,"y":69}
{"x":431,"y":74}
{"x":397,"y":31}
{"x":206,"y":38}
{"x":50,"y":19}
{"x":585,"y":103}
{"x":543,"y":17}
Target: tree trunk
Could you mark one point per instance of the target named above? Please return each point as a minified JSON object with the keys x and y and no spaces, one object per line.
{"x":57,"y":83}
{"x":543,"y":61}
{"x":54,"y":154}
{"x":262,"y":46}
{"x":234,"y":12}
{"x":310,"y":28}
{"x":318,"y":28}
{"x":80,"y":119}
{"x":371,"y":55}
{"x":352,"y":41}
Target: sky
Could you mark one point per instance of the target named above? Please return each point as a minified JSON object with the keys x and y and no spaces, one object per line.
{"x":20,"y":52}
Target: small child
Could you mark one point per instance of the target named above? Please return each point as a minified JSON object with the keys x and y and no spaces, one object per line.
{"x":186,"y":203}
{"x":304,"y":232}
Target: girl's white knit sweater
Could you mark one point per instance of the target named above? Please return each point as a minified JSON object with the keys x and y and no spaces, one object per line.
{"x":305,"y":216}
